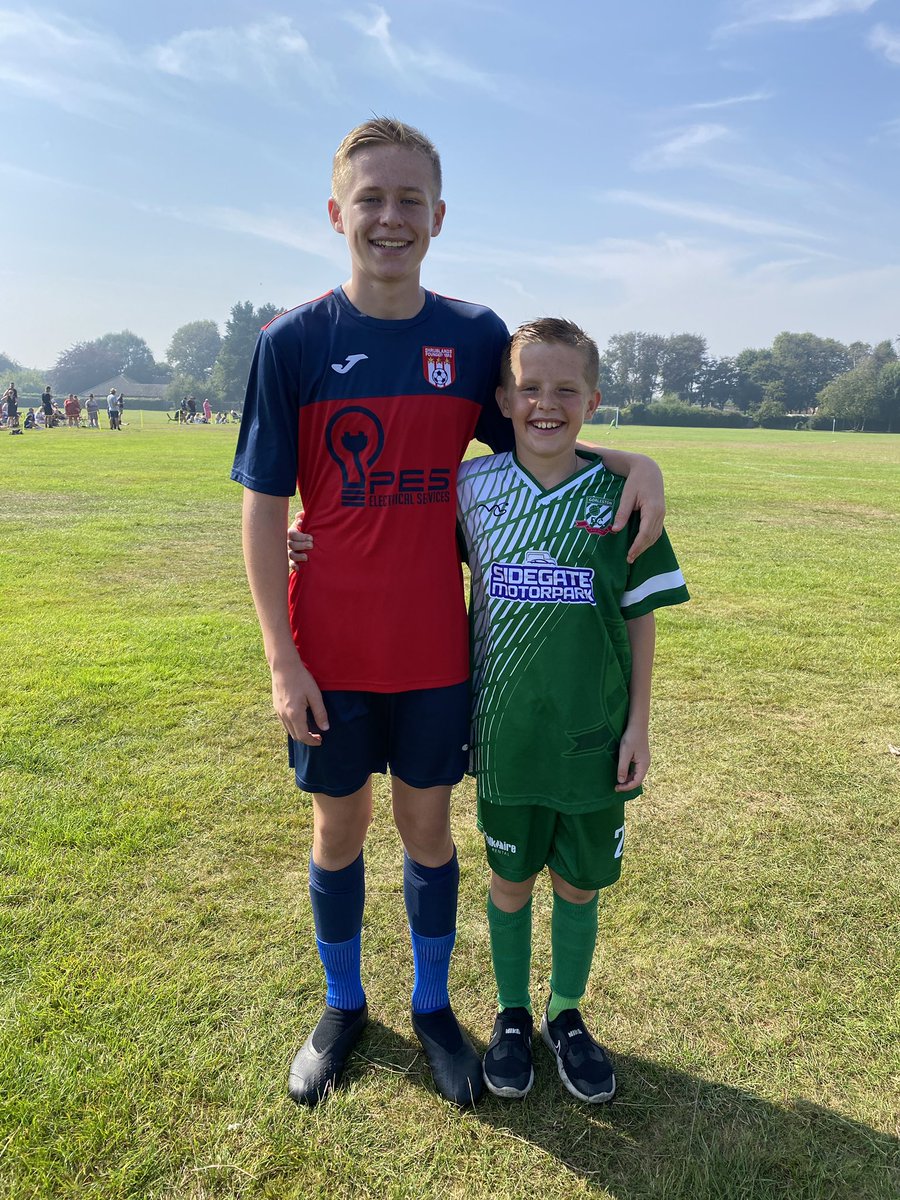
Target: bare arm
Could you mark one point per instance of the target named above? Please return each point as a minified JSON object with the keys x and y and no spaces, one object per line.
{"x":293,"y":688}
{"x":634,"y":748}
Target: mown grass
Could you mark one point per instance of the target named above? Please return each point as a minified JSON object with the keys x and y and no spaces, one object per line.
{"x":155,"y":934}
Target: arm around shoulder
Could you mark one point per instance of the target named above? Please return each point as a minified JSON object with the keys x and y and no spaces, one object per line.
{"x":644,"y":490}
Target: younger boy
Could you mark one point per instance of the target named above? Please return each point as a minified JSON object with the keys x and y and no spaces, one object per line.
{"x":562,"y":653}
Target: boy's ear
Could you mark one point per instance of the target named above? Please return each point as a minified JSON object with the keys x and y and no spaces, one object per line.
{"x":334,"y":215}
{"x":502,"y":402}
{"x":440,"y":211}
{"x":594,"y":403}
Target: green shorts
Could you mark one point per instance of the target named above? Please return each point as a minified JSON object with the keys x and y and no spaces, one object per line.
{"x":585,"y":849}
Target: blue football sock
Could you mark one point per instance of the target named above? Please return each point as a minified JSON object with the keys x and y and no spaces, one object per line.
{"x":431,"y":895}
{"x":338,"y":898}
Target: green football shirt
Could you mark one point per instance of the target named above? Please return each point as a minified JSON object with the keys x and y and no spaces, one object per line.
{"x":551,"y":660}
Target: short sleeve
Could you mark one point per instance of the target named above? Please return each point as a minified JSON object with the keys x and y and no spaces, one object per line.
{"x":654,"y":580}
{"x":493,"y":428}
{"x":266,"y":455}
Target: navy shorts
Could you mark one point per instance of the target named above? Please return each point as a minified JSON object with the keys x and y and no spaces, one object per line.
{"x":422,"y":737}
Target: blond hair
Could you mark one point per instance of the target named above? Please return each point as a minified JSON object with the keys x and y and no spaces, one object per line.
{"x":382,"y":131}
{"x":560,"y":332}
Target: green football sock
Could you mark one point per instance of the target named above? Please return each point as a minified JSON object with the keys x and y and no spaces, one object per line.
{"x":573,"y":936}
{"x":511,"y":954}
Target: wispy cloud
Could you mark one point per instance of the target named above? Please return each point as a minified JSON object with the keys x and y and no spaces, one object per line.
{"x":38,"y":178}
{"x":683,"y":146}
{"x":293,"y":230}
{"x":237,"y":54}
{"x":750,"y":13}
{"x":40,"y":56}
{"x":887,"y":42}
{"x":708,"y":214}
{"x":419,"y":67}
{"x":729,"y":101}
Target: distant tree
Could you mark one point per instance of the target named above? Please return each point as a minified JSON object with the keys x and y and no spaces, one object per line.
{"x":888,"y":395}
{"x":804,"y":364}
{"x":8,"y":366}
{"x":193,"y":349}
{"x":84,"y":365}
{"x":681,"y":363}
{"x":88,"y":363}
{"x":631,"y":364}
{"x":229,"y":375}
{"x":852,"y":396}
{"x":200,"y":389}
{"x":883,"y":354}
{"x":614,"y":395}
{"x":858,"y":352}
{"x":134,"y":356}
{"x":717,"y":383}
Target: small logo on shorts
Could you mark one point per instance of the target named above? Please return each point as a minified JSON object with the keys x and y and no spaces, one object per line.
{"x":500,"y":847}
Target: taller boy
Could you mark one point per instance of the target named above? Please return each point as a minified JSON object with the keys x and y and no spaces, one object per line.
{"x":367,"y":398}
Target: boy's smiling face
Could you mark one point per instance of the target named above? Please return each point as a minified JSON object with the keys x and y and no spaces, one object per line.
{"x":547,"y":399}
{"x":388,"y":213}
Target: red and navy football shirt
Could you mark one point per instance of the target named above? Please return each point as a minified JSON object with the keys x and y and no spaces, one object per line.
{"x":370,"y":419}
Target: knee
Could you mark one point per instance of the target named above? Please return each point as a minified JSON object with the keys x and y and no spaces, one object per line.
{"x":337,"y":841}
{"x":509,"y":895}
{"x":566,"y":891}
{"x":426,"y":841}
{"x":423,"y":822}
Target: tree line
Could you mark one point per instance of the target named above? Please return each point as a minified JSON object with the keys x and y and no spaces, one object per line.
{"x":800,"y":373}
{"x":200,"y":361}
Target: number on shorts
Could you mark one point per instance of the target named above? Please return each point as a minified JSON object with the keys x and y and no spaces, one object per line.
{"x":620,"y":844}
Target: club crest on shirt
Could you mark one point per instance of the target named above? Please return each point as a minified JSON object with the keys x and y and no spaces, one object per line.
{"x":598,"y":517}
{"x":439,"y":365}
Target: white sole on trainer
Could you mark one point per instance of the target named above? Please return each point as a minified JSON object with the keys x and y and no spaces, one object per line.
{"x":507,"y":1093}
{"x":602,"y":1098}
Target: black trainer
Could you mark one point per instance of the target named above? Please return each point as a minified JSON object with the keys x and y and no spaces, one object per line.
{"x":319,"y":1063}
{"x":507,"y":1067}
{"x":454,"y":1061}
{"x":583,"y":1064}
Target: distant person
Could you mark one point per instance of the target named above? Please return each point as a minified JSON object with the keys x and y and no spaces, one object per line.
{"x":120,"y":404}
{"x":30,"y":419}
{"x":11,"y":401}
{"x":184,"y":408}
{"x":73,"y":410}
{"x":192,"y":408}
{"x":112,"y":410}
{"x":207,"y":411}
{"x":47,"y":407}
{"x":92,"y":408}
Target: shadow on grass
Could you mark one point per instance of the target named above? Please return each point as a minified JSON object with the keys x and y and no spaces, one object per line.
{"x":675,"y":1135}
{"x":670,"y":1134}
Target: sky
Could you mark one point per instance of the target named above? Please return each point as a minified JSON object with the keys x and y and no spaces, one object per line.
{"x":727,"y":168}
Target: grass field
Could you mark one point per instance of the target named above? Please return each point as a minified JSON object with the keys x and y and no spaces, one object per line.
{"x":155,"y":964}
